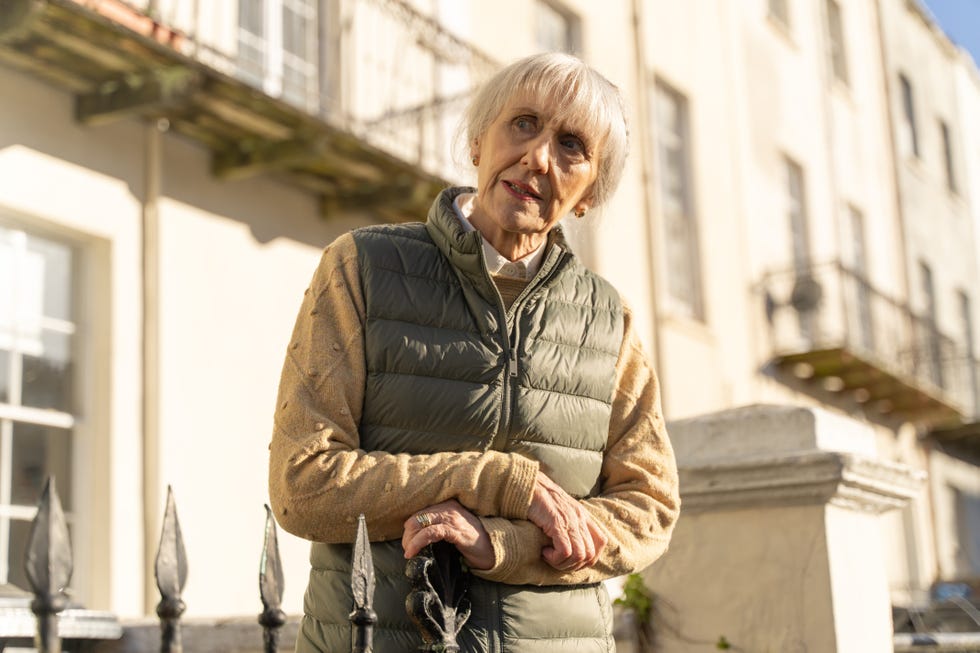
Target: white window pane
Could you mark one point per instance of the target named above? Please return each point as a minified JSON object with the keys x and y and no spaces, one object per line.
{"x":295,"y":33}
{"x":4,"y":376}
{"x":39,"y":452}
{"x":7,"y":286}
{"x":250,"y":16}
{"x":16,"y":548}
{"x":56,"y":276}
{"x":46,"y":379}
{"x":554,"y":29}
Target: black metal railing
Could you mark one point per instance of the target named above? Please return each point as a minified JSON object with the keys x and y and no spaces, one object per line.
{"x":437,"y":603}
{"x":827,"y":306}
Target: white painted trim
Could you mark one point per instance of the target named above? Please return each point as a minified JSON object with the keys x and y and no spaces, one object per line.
{"x":41,"y":416}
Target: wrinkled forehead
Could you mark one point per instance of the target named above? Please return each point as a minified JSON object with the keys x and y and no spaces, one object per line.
{"x":570,"y":103}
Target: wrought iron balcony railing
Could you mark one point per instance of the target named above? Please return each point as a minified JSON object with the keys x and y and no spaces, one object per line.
{"x":830,"y":325}
{"x":355,"y":100}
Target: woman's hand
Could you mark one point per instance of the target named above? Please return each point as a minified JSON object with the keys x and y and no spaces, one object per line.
{"x":576,"y":542}
{"x":449,"y":521}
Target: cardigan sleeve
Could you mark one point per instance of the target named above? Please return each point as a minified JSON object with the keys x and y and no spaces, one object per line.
{"x":319,"y":477}
{"x":638,"y":501}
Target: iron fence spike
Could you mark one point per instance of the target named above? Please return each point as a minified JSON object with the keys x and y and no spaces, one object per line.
{"x":271,"y":583}
{"x":363,"y":616}
{"x":171,"y":561}
{"x":171,"y":575}
{"x":271,"y":586}
{"x":362,"y":577}
{"x":48,"y":561}
{"x":48,"y":565}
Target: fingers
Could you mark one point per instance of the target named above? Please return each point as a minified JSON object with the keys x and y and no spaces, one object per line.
{"x":449,"y":522}
{"x":576,"y":542}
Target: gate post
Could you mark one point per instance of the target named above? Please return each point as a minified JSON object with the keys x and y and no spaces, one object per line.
{"x":779,"y":545}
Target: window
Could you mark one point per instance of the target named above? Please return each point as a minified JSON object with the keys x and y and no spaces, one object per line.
{"x":277,"y":48}
{"x":970,"y":353}
{"x":862,"y":286}
{"x":36,"y":396}
{"x":948,"y":156}
{"x":676,"y":192}
{"x":967,"y":510}
{"x":557,"y":29}
{"x":796,"y":209}
{"x":779,"y":11}
{"x":930,"y":328}
{"x":806,"y":292}
{"x":909,"y":135}
{"x":835,"y":36}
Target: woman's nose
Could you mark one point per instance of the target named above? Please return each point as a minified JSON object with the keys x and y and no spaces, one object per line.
{"x":538,"y":155}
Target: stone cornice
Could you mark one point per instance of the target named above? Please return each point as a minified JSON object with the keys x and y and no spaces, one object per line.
{"x":811,"y":477}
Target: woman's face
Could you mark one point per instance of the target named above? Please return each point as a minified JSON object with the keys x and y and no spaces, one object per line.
{"x":533,"y":169}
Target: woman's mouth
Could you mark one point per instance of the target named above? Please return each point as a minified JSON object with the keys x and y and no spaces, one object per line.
{"x":520,"y":190}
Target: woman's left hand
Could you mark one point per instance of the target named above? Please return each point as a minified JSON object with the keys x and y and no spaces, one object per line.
{"x":449,"y":521}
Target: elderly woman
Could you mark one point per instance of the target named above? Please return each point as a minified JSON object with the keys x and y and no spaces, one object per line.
{"x":468,"y":380}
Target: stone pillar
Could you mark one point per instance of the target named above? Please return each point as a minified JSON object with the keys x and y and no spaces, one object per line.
{"x":778,"y":547}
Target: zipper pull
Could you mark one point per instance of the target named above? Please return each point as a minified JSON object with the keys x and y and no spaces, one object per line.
{"x":513,"y":363}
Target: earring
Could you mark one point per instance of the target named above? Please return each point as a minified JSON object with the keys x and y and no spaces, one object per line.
{"x":580,"y":213}
{"x":475,"y":160}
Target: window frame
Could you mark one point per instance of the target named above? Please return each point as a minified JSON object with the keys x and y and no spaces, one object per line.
{"x":687,"y":297}
{"x":948,"y":157}
{"x":911,"y":128}
{"x":836,"y":43}
{"x":276,"y":61}
{"x":573,"y":27}
{"x":14,"y":412}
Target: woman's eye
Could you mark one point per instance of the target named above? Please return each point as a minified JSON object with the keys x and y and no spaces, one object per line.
{"x":524,"y":123}
{"x":574,"y":144}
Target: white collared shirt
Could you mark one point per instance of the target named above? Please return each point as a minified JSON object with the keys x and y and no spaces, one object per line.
{"x":523,"y":268}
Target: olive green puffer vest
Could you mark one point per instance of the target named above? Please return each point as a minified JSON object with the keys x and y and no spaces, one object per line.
{"x":449,"y":369}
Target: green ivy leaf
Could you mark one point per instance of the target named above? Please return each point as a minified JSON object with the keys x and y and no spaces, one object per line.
{"x":636,"y":597}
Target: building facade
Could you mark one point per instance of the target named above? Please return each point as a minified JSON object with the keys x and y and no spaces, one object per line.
{"x":797,"y":224}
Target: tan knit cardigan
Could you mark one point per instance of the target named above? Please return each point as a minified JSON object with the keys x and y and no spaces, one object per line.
{"x":319,"y":480}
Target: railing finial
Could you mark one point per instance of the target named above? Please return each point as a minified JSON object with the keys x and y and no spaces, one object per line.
{"x":271,"y":586}
{"x":48,"y":565}
{"x":171,"y":574}
{"x":363,"y":617}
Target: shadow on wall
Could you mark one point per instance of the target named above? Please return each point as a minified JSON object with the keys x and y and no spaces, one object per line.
{"x":41,"y":119}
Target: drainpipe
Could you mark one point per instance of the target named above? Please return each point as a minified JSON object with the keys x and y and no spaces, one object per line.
{"x":647,"y":165}
{"x":152,"y":175}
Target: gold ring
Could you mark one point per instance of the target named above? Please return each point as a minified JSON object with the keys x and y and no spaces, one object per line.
{"x":424,"y":519}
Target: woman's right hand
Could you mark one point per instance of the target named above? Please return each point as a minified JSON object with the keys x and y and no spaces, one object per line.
{"x":576,"y":542}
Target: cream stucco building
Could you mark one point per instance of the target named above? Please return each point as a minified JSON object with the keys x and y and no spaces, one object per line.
{"x":798,"y":224}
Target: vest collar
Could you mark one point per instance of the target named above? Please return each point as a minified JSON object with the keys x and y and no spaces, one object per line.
{"x":464,"y":250}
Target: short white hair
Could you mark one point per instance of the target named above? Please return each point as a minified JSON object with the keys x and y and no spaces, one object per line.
{"x":585,"y":97}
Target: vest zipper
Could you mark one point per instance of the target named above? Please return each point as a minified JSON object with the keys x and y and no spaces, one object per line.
{"x":508,"y":393}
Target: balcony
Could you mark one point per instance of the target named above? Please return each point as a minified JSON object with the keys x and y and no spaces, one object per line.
{"x":832,"y":333}
{"x":353,"y":100}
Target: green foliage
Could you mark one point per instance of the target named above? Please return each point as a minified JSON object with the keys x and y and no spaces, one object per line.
{"x":723,"y":643}
{"x":637,"y":598}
